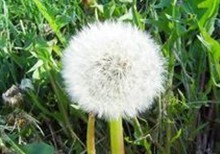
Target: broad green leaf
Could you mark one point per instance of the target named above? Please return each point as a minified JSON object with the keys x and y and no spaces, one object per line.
{"x":38,"y":148}
{"x":204,"y":11}
{"x":214,"y":51}
{"x":208,"y":18}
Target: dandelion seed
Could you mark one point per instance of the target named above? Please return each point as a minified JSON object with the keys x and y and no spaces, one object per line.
{"x":26,"y":84}
{"x":113,"y":70}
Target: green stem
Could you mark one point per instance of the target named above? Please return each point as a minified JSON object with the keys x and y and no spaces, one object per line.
{"x":116,"y":135}
{"x":91,"y":135}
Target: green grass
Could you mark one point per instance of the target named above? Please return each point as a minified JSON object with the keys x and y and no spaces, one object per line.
{"x":184,"y":120}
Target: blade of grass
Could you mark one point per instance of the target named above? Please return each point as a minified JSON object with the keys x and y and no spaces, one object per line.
{"x":63,"y":106}
{"x":12,"y":143}
{"x":51,"y":20}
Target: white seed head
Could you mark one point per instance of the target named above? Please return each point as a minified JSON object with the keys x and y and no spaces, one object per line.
{"x":113,"y":70}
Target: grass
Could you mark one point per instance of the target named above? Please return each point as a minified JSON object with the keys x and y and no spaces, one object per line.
{"x":184,"y":120}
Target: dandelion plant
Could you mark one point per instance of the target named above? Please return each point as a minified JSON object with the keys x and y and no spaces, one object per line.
{"x":113,"y":70}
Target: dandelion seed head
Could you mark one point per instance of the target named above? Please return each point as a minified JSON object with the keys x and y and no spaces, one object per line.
{"x":113,"y":70}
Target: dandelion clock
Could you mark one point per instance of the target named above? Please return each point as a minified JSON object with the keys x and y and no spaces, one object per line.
{"x":113,"y":70}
